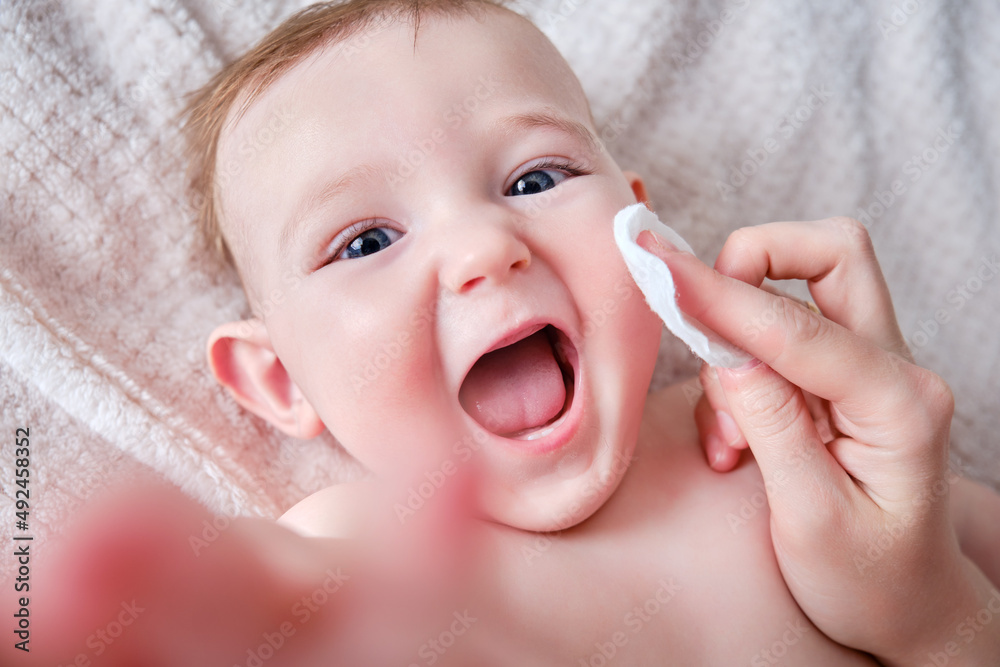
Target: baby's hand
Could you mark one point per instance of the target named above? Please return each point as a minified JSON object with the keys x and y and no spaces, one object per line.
{"x":850,"y":436}
{"x":148,"y":577}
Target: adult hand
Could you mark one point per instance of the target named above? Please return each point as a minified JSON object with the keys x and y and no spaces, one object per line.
{"x":720,"y":437}
{"x":859,"y":517}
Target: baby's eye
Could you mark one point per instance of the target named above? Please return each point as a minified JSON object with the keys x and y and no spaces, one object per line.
{"x":369,"y":242}
{"x":537,"y":181}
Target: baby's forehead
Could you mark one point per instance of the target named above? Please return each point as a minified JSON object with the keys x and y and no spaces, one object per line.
{"x":273,"y":122}
{"x":258,"y":114}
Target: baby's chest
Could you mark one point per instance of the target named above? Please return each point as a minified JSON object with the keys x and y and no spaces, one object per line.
{"x":666,"y":588}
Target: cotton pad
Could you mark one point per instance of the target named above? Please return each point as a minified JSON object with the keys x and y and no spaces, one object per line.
{"x":657,"y":285}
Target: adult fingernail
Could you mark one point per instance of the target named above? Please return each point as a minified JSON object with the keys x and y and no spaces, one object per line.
{"x":665,"y":244}
{"x":727,"y":376}
{"x":654,"y":242}
{"x":753,"y":363}
{"x":730,"y":431}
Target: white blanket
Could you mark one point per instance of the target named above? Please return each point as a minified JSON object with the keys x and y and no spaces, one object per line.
{"x":735,"y":112}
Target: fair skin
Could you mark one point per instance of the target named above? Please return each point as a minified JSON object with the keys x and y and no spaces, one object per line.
{"x":446,"y":291}
{"x":463,"y":270}
{"x":653,"y":554}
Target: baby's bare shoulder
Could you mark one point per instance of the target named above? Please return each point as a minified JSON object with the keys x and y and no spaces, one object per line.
{"x":331,"y":512}
{"x":671,"y":409}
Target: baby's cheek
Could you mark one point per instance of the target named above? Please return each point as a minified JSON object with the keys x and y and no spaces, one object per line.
{"x":380,"y":390}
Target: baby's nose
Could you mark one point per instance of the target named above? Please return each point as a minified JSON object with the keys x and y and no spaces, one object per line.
{"x":478,"y":253}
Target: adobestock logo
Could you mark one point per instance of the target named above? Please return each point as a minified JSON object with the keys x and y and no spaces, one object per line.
{"x":633,"y":622}
{"x":432,"y":650}
{"x":898,"y":17}
{"x":573,"y":514}
{"x":695,"y":48}
{"x":104,"y":637}
{"x":413,"y":156}
{"x":787,"y":126}
{"x":913,"y":170}
{"x":779,"y":649}
{"x":966,"y":632}
{"x":957,"y":298}
{"x":251,"y":147}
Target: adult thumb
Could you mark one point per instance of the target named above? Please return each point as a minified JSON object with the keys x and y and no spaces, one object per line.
{"x":799,"y":472}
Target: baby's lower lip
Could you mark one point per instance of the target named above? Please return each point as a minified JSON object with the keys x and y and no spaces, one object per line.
{"x":535,"y":434}
{"x":549,"y":438}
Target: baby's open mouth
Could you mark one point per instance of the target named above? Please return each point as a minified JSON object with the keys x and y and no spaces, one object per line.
{"x":518,"y":390}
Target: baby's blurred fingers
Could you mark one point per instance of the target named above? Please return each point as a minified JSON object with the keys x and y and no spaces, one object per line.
{"x":836,"y":257}
{"x":432,"y":517}
{"x":422,"y":544}
{"x":171,"y":584}
{"x":147,"y":576}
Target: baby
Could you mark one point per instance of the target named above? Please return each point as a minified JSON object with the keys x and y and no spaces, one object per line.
{"x":423,"y":227}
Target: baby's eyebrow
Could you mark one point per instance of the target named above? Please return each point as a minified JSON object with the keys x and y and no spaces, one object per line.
{"x":501,"y":130}
{"x":354,"y":175}
{"x":544,"y":119}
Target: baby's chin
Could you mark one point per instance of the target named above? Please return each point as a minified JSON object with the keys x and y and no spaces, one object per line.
{"x":554,"y":502}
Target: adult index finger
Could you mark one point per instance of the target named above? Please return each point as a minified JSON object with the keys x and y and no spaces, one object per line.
{"x":836,"y":257}
{"x":868,"y":385}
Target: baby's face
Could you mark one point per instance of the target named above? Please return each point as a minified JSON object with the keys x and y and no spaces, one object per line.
{"x":430,"y":232}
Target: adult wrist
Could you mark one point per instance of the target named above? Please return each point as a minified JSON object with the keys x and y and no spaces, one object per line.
{"x":962,"y":628}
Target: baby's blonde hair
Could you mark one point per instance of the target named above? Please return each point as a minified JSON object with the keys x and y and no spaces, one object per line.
{"x":245,"y":79}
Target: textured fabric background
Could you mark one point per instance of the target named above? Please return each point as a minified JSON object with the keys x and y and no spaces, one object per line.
{"x":105,"y":301}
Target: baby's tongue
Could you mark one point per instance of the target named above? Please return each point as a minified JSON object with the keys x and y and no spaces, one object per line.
{"x":515,"y":388}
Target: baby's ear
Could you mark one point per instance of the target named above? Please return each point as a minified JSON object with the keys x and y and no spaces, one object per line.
{"x":638,"y":187}
{"x":242,"y":359}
